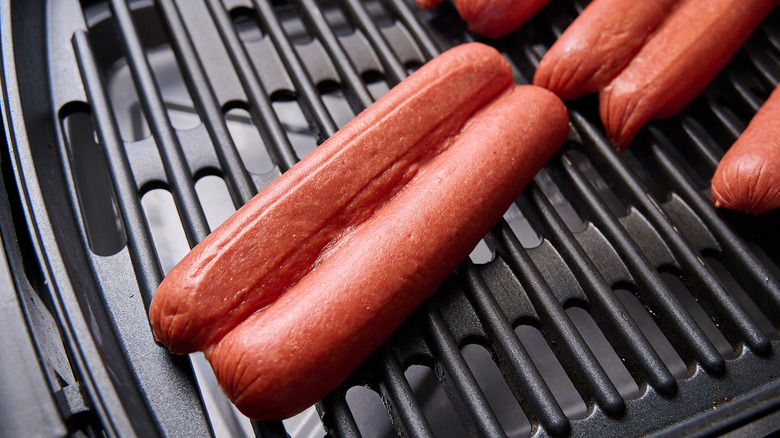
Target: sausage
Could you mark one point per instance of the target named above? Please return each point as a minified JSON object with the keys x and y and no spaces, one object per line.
{"x":427,"y":4}
{"x":677,"y":63}
{"x":279,"y":235}
{"x":492,"y":18}
{"x":598,"y":44}
{"x":497,"y":18}
{"x":329,"y":323}
{"x":303,"y":282}
{"x":748,"y":176}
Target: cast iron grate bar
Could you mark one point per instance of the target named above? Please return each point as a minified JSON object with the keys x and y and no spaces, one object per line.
{"x":731,"y":314}
{"x":140,"y":244}
{"x":406,"y":413}
{"x":766,"y":66}
{"x":335,"y":405}
{"x":742,"y":89}
{"x":759,"y":283}
{"x":700,"y":140}
{"x":260,"y":107}
{"x":687,"y":333}
{"x":527,"y":383}
{"x":577,"y":360}
{"x":415,"y":28}
{"x":726,"y":118}
{"x":270,"y":429}
{"x":359,"y":96}
{"x":356,"y":11}
{"x":295,"y":69}
{"x":458,"y":380}
{"x":609,"y":312}
{"x":233,"y":171}
{"x":176,"y":168}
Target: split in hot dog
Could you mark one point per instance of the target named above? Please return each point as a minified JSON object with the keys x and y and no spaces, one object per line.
{"x":307,"y":279}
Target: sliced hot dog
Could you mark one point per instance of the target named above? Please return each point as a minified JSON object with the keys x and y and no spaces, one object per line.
{"x":598,"y":44}
{"x":748,"y":176}
{"x":296,"y":289}
{"x":677,"y":63}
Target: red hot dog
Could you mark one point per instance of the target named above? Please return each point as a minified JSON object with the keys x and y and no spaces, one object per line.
{"x":277,"y":237}
{"x":427,"y":4}
{"x":492,"y":18}
{"x":598,"y":44}
{"x":387,"y":267}
{"x":748,"y":176}
{"x":497,"y":18}
{"x":677,"y":63}
{"x":314,"y":273}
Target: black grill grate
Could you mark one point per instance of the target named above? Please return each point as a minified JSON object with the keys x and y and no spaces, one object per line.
{"x":614,"y":272}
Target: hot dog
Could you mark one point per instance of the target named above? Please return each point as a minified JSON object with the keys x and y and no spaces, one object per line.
{"x":598,"y":44}
{"x":492,"y":18}
{"x":497,"y":18}
{"x":427,"y":4}
{"x":748,"y":176}
{"x":278,"y":236}
{"x":677,"y":63}
{"x":300,"y":285}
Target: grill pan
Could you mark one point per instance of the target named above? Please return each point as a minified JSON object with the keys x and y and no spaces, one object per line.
{"x":611,"y":299}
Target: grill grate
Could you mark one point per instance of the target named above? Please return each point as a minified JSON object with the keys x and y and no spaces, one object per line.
{"x":612,"y":271}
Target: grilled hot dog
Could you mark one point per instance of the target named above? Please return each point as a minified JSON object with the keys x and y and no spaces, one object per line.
{"x":492,"y":18}
{"x":748,"y":176}
{"x":497,"y":18}
{"x":598,"y":44}
{"x":306,"y":280}
{"x":677,"y":63}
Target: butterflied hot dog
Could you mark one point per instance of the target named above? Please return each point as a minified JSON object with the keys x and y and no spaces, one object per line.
{"x":677,"y":63}
{"x":277,"y":237}
{"x":297,"y":288}
{"x":748,"y":176}
{"x":598,"y":44}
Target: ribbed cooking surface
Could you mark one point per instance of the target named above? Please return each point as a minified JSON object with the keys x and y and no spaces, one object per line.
{"x":613,"y":298}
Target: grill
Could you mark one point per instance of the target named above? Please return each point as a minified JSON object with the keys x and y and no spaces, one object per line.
{"x":611,"y":299}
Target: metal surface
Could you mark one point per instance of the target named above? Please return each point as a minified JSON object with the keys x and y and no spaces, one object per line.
{"x":613,"y":298}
